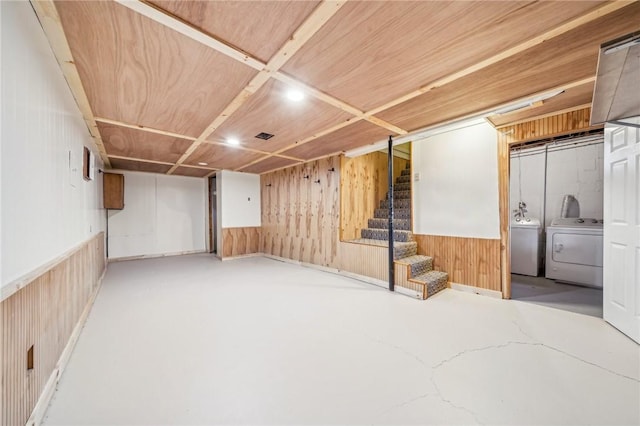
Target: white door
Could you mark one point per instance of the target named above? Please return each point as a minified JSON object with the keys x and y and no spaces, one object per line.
{"x":622,"y":228}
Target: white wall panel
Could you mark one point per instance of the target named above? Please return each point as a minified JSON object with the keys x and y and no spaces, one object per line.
{"x":47,"y":206}
{"x":457,"y":193}
{"x":162,"y":215}
{"x":239,"y":199}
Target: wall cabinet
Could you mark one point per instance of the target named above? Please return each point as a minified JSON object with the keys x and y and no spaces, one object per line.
{"x":113,"y":191}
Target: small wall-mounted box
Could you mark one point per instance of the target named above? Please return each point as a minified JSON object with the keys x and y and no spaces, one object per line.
{"x":113,"y":191}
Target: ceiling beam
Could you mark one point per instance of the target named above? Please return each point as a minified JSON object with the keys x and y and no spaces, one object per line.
{"x":337,"y":103}
{"x":559,"y":30}
{"x":165,"y":18}
{"x":178,"y":135}
{"x":143,"y":128}
{"x":52,"y":26}
{"x":321,"y":14}
{"x":166,"y":163}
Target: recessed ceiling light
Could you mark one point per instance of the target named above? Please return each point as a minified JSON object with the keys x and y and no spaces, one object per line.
{"x":295,"y":95}
{"x":202,"y":163}
{"x":233,"y":141}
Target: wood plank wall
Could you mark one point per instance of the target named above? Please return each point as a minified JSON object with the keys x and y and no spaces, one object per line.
{"x":300,"y":218}
{"x":363,"y":184}
{"x":43,"y":314}
{"x":362,"y":259}
{"x":470,"y":261}
{"x":547,"y":127}
{"x":240,"y":241}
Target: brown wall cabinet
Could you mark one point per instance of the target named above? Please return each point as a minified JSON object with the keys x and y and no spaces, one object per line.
{"x":113,"y":191}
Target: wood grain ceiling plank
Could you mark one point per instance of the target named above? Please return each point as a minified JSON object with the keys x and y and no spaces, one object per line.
{"x":569,"y":57}
{"x":313,"y":23}
{"x":129,"y":142}
{"x":281,"y":151}
{"x":271,"y":163}
{"x":270,"y":111}
{"x":139,"y":166}
{"x":191,"y":172}
{"x":356,"y":135}
{"x":579,"y":95}
{"x":52,"y":26}
{"x":138,"y":71}
{"x":221,"y":157}
{"x":337,"y":103}
{"x":528,"y":44}
{"x":259,"y":28}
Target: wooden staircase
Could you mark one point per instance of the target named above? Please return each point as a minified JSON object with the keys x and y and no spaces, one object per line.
{"x":412,"y":270}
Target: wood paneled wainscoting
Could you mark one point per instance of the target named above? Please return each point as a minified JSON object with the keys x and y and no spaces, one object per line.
{"x":240,"y":241}
{"x":473,"y":262}
{"x":40,"y":324}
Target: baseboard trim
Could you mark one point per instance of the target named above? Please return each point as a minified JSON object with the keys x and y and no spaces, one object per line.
{"x":476,"y":290}
{"x":241,"y":256}
{"x":154,"y":256}
{"x":369,"y":280}
{"x":40,"y":410}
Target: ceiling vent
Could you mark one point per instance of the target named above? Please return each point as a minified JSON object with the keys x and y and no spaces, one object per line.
{"x":265,"y":136}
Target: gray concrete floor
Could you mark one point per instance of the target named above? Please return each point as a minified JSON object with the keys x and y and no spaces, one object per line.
{"x":192,"y":340}
{"x":569,"y":297}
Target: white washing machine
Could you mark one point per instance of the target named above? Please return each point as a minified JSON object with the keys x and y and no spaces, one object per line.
{"x":526,"y":246}
{"x":574,"y":251}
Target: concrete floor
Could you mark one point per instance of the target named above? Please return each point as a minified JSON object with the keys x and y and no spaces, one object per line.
{"x":569,"y":297}
{"x":192,"y":340}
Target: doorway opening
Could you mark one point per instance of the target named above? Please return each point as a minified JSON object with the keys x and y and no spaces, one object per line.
{"x":556,"y":211}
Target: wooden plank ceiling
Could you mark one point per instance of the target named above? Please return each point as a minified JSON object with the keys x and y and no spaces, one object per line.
{"x":170,"y":83}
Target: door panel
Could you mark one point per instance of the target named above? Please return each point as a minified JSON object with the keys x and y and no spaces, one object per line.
{"x":622,"y":228}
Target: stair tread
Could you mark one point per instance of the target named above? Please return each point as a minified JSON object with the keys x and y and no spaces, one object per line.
{"x":430,"y":277}
{"x":414,"y":259}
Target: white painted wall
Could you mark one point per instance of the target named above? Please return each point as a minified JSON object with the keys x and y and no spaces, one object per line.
{"x":162,"y":215}
{"x":457,"y":192}
{"x":47,"y":208}
{"x":239,"y":199}
{"x":571,"y":169}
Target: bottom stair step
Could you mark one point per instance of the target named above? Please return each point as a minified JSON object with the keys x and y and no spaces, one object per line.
{"x":418,"y":264}
{"x":434,"y":282}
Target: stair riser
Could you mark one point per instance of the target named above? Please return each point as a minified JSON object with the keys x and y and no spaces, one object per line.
{"x":383,"y":234}
{"x":421,"y":268}
{"x":401,"y":187}
{"x":405,"y":251}
{"x":400,"y":195}
{"x":399,"y":224}
{"x":397,"y":214}
{"x":404,"y":203}
{"x":405,"y":172}
{"x":403,"y":179}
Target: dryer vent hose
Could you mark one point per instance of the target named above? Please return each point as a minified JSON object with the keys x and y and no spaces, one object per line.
{"x":570,"y":207}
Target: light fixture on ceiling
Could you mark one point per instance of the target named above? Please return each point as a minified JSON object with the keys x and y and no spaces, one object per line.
{"x":202,"y":163}
{"x":233,"y":141}
{"x":535,"y":101}
{"x":295,"y":95}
